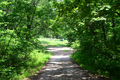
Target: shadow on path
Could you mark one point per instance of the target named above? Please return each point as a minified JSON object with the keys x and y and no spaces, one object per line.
{"x":62,"y":67}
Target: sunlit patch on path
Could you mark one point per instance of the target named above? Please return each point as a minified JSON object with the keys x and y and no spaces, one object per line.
{"x":52,"y":49}
{"x":61,"y":67}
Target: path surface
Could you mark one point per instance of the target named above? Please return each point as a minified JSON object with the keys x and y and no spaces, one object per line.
{"x":61,"y":67}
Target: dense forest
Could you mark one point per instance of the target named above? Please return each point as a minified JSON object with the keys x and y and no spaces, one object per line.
{"x":90,"y":26}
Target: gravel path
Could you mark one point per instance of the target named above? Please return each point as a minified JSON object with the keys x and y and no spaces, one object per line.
{"x":61,"y":67}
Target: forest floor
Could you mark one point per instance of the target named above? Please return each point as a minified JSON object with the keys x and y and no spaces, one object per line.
{"x":62,"y":67}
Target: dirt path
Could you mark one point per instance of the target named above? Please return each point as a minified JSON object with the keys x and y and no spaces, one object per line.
{"x":61,"y":67}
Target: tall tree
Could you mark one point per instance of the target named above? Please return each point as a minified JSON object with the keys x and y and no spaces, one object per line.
{"x":95,"y":24}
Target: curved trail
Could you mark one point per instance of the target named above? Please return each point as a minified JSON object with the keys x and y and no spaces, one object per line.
{"x":61,"y":67}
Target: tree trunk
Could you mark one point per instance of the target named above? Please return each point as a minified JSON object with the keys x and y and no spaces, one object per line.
{"x":103,"y":28}
{"x":28,"y":28}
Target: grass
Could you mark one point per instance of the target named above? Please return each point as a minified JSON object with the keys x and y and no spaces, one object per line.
{"x":66,"y":50}
{"x":38,"y":59}
{"x":53,"y":42}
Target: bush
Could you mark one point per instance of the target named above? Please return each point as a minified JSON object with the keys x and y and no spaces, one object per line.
{"x":15,"y":54}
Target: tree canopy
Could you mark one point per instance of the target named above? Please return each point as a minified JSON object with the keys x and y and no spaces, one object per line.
{"x":94,"y":24}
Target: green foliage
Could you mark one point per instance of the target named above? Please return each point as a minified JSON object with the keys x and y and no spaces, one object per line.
{"x":19,"y":57}
{"x":21,"y":21}
{"x":95,"y":25}
{"x":37,"y":60}
{"x":91,"y":27}
{"x":75,"y":45}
